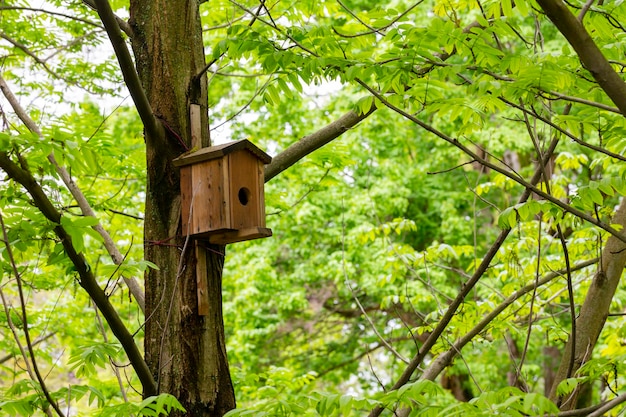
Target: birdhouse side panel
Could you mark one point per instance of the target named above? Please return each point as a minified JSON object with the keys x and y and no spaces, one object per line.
{"x":245,"y":197}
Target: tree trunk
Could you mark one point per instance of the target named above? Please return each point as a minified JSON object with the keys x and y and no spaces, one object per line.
{"x":185,"y":352}
{"x":593,"y":312}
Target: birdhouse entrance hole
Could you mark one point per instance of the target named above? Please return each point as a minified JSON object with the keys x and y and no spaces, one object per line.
{"x":244,"y":195}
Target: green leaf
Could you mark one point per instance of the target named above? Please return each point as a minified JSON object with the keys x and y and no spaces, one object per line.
{"x":567,"y":386}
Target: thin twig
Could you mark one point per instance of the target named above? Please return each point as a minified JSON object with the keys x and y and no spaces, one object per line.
{"x":570,"y":289}
{"x":584,"y":10}
{"x":245,"y":106}
{"x":35,"y":343}
{"x":52,"y":13}
{"x":373,"y":30}
{"x":356,"y":298}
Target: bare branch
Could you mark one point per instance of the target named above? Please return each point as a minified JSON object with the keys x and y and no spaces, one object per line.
{"x":224,"y":25}
{"x":445,"y":359}
{"x":609,"y":405}
{"x":314,"y":141}
{"x":573,"y":99}
{"x":563,"y":131}
{"x":35,"y":343}
{"x":69,"y":44}
{"x":30,"y":53}
{"x":13,"y":329}
{"x":114,"y":368}
{"x":245,"y":106}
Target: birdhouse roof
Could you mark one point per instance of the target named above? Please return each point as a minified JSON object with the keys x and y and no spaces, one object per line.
{"x":214,"y":152}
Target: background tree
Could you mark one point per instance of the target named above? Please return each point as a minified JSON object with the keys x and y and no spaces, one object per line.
{"x":468,"y":232}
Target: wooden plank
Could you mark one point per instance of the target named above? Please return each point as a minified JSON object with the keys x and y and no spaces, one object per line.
{"x":200,"y":211}
{"x":218,"y":151}
{"x":209,"y":211}
{"x":224,"y":238}
{"x":201,"y":279}
{"x":243,"y":189}
{"x":196,"y":126}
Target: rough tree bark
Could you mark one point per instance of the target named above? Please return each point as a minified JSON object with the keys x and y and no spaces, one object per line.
{"x":184,"y":351}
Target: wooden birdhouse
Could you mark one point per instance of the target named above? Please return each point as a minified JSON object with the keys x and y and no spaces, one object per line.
{"x":222,"y":192}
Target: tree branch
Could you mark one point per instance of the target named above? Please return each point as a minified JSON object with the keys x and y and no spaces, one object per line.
{"x":556,"y":127}
{"x":31,"y":54}
{"x":590,"y":55}
{"x":608,"y":406}
{"x":123,"y":24}
{"x":29,"y":342}
{"x":78,"y":195}
{"x":443,"y":360}
{"x":314,"y":141}
{"x":87,"y":279}
{"x":35,"y":343}
{"x":52,"y":13}
{"x":131,"y":78}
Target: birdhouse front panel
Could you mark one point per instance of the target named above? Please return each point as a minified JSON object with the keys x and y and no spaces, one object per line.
{"x":245,"y":191}
{"x":204,"y":207}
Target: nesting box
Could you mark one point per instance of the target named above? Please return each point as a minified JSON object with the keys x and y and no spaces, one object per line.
{"x":222,"y":192}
